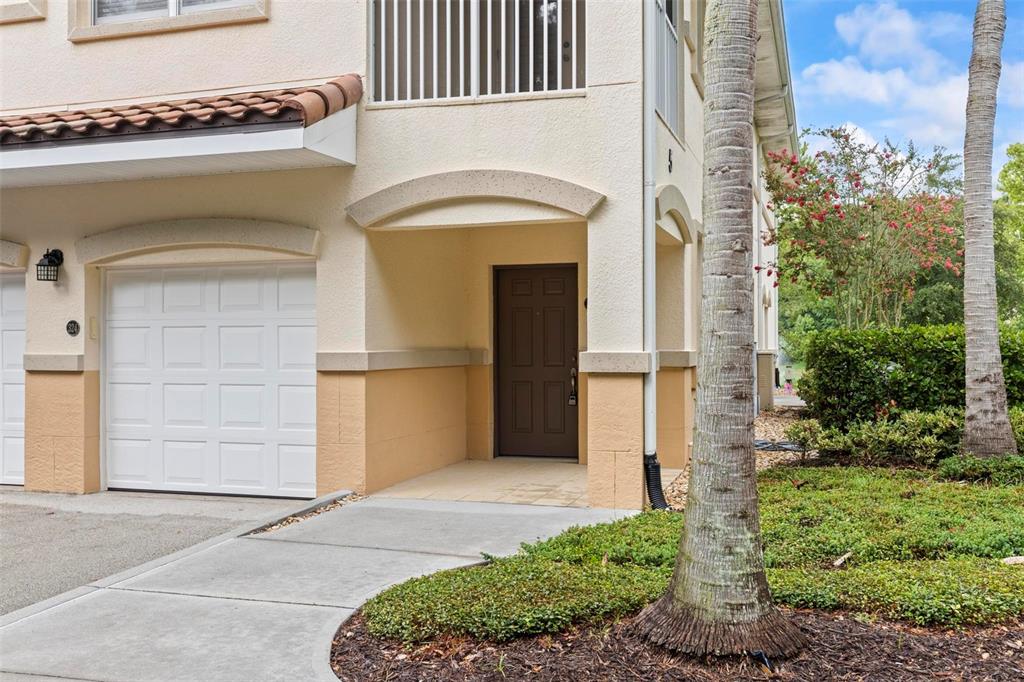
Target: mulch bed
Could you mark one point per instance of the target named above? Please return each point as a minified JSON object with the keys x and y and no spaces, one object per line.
{"x":842,"y":648}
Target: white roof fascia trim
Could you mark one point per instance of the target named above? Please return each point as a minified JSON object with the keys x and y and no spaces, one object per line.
{"x":331,"y":138}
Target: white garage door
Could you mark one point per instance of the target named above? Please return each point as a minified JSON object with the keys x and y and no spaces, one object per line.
{"x":211,"y":380}
{"x":12,"y":376}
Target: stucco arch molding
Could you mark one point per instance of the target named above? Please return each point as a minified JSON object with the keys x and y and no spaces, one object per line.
{"x":201,"y":232}
{"x":682,"y":226}
{"x":473,"y":184}
{"x":13,"y":254}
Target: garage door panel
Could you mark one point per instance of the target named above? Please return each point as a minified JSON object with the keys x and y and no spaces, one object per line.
{"x":242,"y":465}
{"x":12,"y":378}
{"x":242,"y":290}
{"x":13,"y":349}
{"x":242,"y":406}
{"x":128,"y":461}
{"x":186,"y":405}
{"x":296,"y":293}
{"x":296,"y":408}
{"x":13,"y":405}
{"x":185,"y":291}
{"x":296,"y":466}
{"x":185,"y":462}
{"x":13,"y":455}
{"x":232,"y":400}
{"x":129,"y":348}
{"x":129,"y":294}
{"x":185,"y":348}
{"x":296,"y":347}
{"x":242,"y":348}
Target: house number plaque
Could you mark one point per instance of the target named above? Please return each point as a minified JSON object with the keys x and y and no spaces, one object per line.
{"x":73,"y":328}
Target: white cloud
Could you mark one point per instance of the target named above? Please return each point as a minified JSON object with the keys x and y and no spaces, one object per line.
{"x":885,"y":34}
{"x":1011,"y":84}
{"x":848,"y":78}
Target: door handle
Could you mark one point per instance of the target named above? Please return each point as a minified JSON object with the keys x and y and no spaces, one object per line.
{"x":572,"y":386}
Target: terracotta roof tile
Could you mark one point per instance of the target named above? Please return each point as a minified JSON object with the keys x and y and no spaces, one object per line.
{"x":308,"y":105}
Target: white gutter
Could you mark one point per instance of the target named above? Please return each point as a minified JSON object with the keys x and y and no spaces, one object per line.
{"x":652,"y":473}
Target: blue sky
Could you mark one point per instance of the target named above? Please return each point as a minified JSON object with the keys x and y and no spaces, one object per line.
{"x":898,"y":68}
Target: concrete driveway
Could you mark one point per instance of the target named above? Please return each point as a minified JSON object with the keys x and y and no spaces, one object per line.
{"x":52,"y":543}
{"x":261,"y":607}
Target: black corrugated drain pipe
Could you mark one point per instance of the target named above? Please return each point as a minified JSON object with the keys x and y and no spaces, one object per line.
{"x":652,"y":474}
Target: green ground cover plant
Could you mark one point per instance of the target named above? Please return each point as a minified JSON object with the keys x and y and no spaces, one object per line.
{"x":915,"y":548}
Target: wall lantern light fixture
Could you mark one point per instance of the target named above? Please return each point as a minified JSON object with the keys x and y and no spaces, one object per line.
{"x":48,"y":265}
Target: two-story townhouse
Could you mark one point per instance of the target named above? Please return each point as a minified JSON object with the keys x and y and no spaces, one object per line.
{"x":283,"y":247}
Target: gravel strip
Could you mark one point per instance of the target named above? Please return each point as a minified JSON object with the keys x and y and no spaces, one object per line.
{"x":767,"y":426}
{"x":290,"y":520}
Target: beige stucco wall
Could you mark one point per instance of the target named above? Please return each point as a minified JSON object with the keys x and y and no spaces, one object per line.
{"x":387,"y":291}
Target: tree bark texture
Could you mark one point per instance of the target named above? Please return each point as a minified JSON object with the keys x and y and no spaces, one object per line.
{"x":718,"y":602}
{"x":987,"y":430}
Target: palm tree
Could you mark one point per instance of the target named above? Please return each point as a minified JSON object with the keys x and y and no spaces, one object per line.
{"x":987,"y":430}
{"x":718,"y":600}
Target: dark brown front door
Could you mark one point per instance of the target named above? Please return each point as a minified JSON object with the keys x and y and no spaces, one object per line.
{"x":536,"y":349}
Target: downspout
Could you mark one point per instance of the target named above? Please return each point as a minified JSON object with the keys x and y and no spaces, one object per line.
{"x":652,"y":469}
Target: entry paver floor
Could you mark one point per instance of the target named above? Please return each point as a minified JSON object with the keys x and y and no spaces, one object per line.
{"x":262,"y":607}
{"x":517,"y":480}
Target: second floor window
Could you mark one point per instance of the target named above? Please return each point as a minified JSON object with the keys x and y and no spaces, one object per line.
{"x":667,"y":78}
{"x":114,"y":11}
{"x":438,"y":49}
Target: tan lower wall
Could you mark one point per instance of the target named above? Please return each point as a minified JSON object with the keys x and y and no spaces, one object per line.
{"x":615,"y":438}
{"x":480,"y":412}
{"x":673,"y":434}
{"x":340,"y":431}
{"x":415,"y":423}
{"x":62,"y":431}
{"x":766,"y":380}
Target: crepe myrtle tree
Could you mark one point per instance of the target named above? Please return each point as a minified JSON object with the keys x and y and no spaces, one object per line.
{"x":987,"y":430}
{"x":718,"y":602}
{"x":861,"y":224}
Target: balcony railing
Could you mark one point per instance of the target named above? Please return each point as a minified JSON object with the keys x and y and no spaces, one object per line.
{"x":667,"y":90}
{"x":441,"y":49}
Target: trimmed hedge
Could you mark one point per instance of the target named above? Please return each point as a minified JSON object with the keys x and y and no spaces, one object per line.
{"x":857,"y":375}
{"x":913,"y":438}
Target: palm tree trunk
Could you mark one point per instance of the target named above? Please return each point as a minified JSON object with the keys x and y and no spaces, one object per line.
{"x":987,"y":430}
{"x":718,"y":600}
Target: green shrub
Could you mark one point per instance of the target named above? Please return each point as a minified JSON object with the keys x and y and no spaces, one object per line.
{"x":909,"y":438}
{"x":952,"y":592}
{"x":858,"y":375}
{"x":921,"y":550}
{"x":1000,"y":470}
{"x":509,"y":598}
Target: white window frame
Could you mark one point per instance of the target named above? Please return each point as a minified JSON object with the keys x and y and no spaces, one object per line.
{"x":174,"y":9}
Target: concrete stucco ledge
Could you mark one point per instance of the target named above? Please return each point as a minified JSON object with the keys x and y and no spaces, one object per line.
{"x":615,"y":362}
{"x":13,"y":254}
{"x":54,"y":362}
{"x":377,"y":360}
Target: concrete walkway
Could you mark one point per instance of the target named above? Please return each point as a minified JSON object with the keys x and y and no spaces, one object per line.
{"x":51,"y":543}
{"x":261,"y":607}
